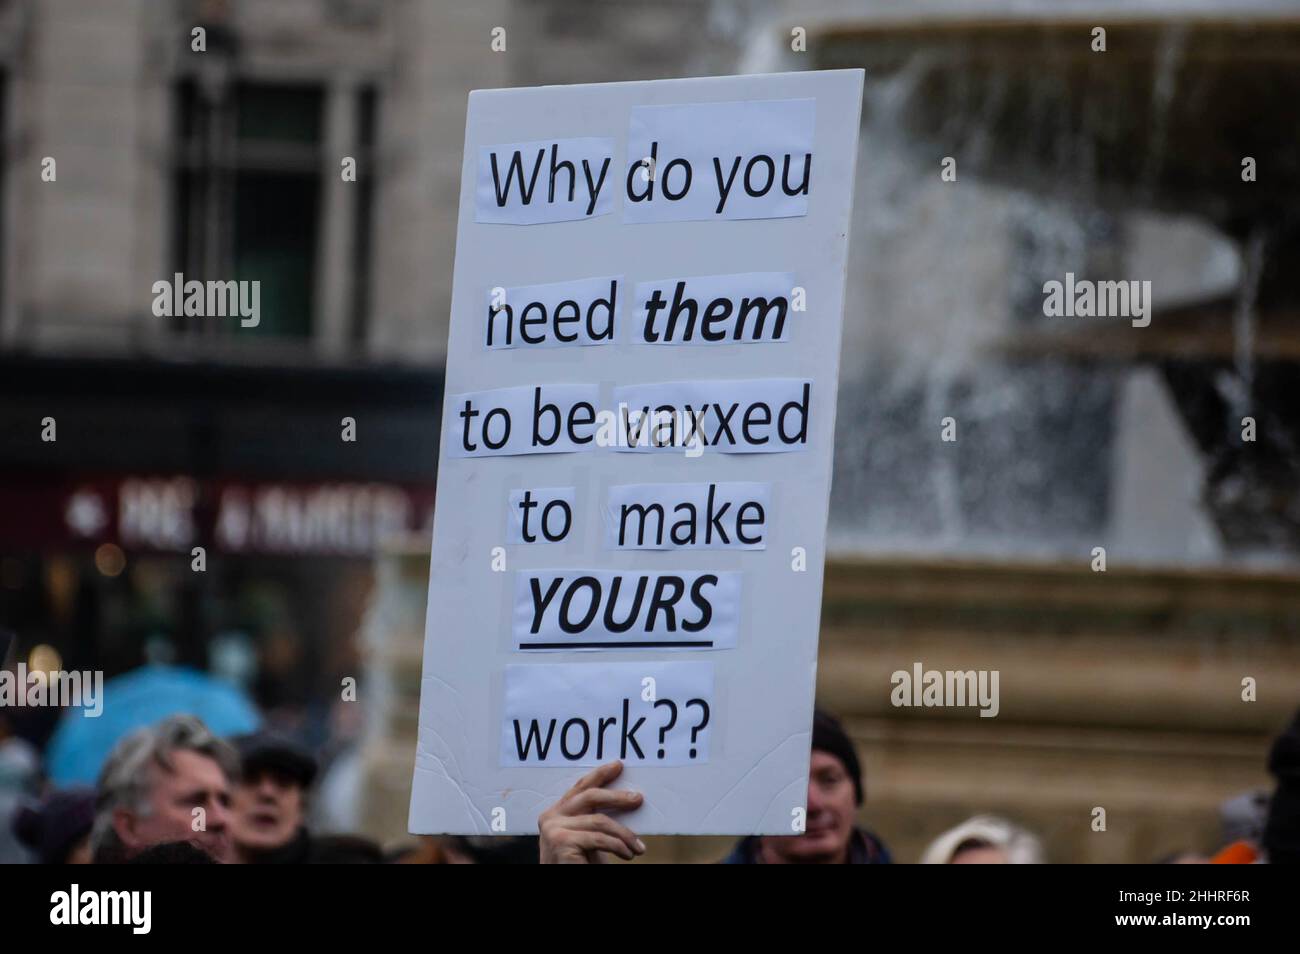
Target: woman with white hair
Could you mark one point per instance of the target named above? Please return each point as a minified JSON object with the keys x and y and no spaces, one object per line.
{"x":984,"y":840}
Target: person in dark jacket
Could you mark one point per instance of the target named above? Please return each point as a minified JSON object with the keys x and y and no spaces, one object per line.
{"x":1282,"y":830}
{"x":269,"y":805}
{"x":835,"y":794}
{"x":173,"y":853}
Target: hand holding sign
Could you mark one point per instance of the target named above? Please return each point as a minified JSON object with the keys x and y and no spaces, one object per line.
{"x":573,"y":830}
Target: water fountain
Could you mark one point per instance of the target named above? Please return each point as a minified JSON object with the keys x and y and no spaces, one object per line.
{"x":1190,"y":119}
{"x":1170,"y":157}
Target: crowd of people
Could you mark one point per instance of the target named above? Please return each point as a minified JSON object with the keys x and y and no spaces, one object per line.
{"x":175,"y":793}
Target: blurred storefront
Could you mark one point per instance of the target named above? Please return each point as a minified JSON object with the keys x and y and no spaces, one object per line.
{"x":208,"y":515}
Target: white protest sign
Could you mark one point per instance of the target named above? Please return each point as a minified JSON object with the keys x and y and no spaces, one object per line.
{"x":621,"y":250}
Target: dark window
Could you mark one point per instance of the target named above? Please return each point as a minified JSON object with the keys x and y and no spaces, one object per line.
{"x":248,"y":188}
{"x":367,"y":131}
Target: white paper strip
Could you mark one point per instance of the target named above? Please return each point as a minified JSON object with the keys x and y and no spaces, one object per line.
{"x":542,"y":419}
{"x":722,"y":516}
{"x":744,"y":160}
{"x":554,"y":315}
{"x":546,"y":180}
{"x":540,"y":515}
{"x":758,"y":416}
{"x":714,"y":309}
{"x":561,"y":610}
{"x":585,"y":714}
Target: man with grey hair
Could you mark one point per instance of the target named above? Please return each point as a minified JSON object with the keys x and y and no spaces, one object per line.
{"x":168,"y":782}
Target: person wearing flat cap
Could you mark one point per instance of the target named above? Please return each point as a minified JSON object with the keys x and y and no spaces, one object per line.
{"x":269,"y":807}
